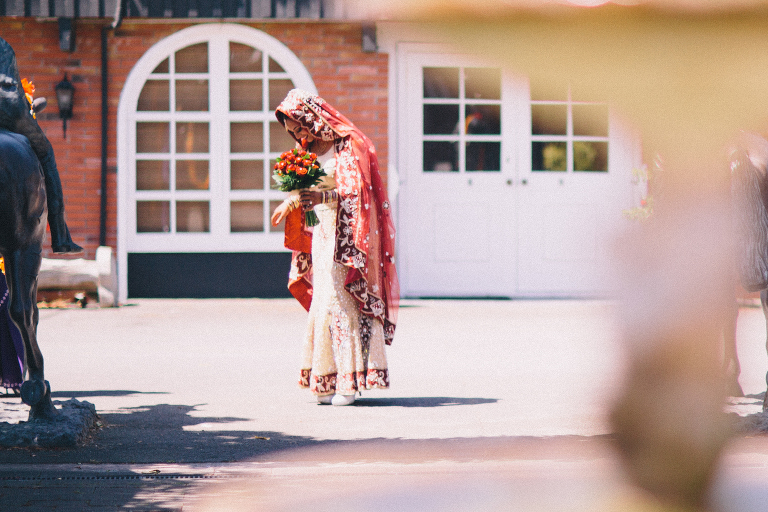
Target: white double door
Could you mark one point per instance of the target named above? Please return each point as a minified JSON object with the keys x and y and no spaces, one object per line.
{"x":500,"y":228}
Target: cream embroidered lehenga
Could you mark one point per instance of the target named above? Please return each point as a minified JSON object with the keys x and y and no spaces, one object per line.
{"x":349,"y":282}
{"x":343,"y":349}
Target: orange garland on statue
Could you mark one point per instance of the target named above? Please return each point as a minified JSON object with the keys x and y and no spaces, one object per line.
{"x":29,"y":92}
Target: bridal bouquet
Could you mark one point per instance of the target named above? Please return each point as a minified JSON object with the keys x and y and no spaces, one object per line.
{"x":297,"y":169}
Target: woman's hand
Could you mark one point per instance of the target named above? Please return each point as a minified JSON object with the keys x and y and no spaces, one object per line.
{"x":281,"y":212}
{"x":309,"y":198}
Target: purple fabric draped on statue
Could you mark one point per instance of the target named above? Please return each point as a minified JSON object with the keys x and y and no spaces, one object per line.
{"x":11,"y":345}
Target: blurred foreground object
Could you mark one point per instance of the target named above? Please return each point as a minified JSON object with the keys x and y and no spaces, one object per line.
{"x":676,"y":296}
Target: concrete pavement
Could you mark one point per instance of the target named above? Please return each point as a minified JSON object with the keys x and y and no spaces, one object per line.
{"x":201,"y":409}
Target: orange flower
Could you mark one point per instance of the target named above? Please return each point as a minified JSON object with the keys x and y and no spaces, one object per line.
{"x":301,"y":171}
{"x":29,"y":92}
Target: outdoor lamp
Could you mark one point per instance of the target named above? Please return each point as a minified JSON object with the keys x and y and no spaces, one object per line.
{"x":65,"y":93}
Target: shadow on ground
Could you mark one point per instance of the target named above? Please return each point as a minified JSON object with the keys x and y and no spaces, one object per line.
{"x":59,"y":395}
{"x":161,"y":434}
{"x":427,"y":401}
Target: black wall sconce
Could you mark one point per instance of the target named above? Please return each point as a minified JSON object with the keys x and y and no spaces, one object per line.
{"x":369,"y":38}
{"x":67,"y":34}
{"x":65,"y":95}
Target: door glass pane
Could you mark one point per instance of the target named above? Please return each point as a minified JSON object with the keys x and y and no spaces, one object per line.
{"x":192,"y":175}
{"x":246,"y":216}
{"x":153,"y":216}
{"x":192,"y":217}
{"x":440,"y":156}
{"x":279,"y":140}
{"x":244,"y":58}
{"x":153,"y":175}
{"x":192,"y":95}
{"x":192,"y":138}
{"x":549,"y":156}
{"x":547,"y":90}
{"x":246,"y":175}
{"x":482,"y":83}
{"x":591,"y":120}
{"x":441,"y":119}
{"x":482,"y":119}
{"x":152,"y":137}
{"x":245,"y":95}
{"x":549,"y":119}
{"x":278,"y":90}
{"x":590,"y":156}
{"x":192,"y":59}
{"x":483,"y":156}
{"x":246,"y":137}
{"x":441,"y":82}
{"x":280,"y":227}
{"x":155,"y":96}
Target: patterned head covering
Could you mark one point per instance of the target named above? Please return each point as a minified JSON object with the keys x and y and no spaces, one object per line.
{"x":365,"y":232}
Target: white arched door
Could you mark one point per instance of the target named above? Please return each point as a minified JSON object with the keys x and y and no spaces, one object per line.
{"x":197,"y":139}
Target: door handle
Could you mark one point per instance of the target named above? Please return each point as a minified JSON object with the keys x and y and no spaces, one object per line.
{"x":524,"y":182}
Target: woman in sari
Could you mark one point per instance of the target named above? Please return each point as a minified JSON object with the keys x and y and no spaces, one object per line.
{"x":343,"y":270}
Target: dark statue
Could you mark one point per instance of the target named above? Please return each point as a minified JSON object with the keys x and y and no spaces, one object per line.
{"x":30,"y":193}
{"x":749,"y":179}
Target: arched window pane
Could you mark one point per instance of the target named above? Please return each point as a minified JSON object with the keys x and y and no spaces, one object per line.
{"x":153,"y":174}
{"x":192,"y":175}
{"x":193,"y":217}
{"x":246,"y":216}
{"x":278,"y":90}
{"x":244,"y":58}
{"x":152,"y":137}
{"x":279,"y":140}
{"x":155,"y":96}
{"x":153,"y":216}
{"x":245,"y":95}
{"x":192,"y":138}
{"x":192,"y":95}
{"x":246,"y":175}
{"x":246,"y":137}
{"x":192,"y":59}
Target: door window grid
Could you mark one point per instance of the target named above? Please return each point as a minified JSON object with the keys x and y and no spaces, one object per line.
{"x":461,"y":115}
{"x":568,"y":135}
{"x":182,"y":155}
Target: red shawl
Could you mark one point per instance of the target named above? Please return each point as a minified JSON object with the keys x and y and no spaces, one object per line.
{"x":365,"y":233}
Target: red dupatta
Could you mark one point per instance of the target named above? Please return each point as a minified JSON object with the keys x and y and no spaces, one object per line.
{"x":365,"y":232}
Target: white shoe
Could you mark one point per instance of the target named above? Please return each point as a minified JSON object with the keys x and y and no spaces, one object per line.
{"x":324,"y":399}
{"x":343,"y":399}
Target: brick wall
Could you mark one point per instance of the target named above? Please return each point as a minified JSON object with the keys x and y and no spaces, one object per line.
{"x":352,"y":81}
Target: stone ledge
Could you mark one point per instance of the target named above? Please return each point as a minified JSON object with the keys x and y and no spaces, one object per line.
{"x":69,"y":429}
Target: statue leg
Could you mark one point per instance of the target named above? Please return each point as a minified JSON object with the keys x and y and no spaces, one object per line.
{"x":22,"y":267}
{"x":731,"y":366}
{"x":61,"y":240}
